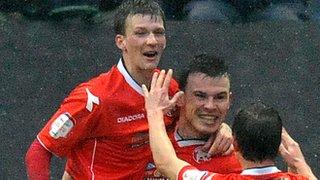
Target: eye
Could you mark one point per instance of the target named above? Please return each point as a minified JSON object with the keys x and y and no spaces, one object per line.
{"x":221,"y":96}
{"x":159,"y":32}
{"x":200,"y":95}
{"x":141,"y":33}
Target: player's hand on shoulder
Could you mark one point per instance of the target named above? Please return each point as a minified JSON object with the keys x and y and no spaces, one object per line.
{"x":221,"y":143}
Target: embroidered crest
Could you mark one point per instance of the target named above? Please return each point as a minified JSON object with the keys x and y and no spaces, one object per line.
{"x":199,"y":155}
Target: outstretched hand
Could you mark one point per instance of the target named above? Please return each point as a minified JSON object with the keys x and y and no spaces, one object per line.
{"x":157,"y":101}
{"x":291,"y":153}
{"x":157,"y":98}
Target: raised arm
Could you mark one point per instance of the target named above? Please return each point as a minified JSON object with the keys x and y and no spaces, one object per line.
{"x":291,"y":153}
{"x":156,"y":102}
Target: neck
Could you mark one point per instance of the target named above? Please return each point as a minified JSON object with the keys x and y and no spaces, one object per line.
{"x":246,"y":164}
{"x":141,"y":76}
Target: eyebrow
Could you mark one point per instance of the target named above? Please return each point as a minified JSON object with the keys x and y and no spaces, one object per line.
{"x":144,"y":28}
{"x":220,"y":93}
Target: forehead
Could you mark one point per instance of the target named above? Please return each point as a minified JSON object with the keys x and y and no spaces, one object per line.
{"x":144,"y":21}
{"x":204,"y":83}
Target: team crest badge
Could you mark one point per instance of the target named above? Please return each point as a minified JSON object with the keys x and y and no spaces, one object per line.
{"x":171,"y":112}
{"x":200,"y":156}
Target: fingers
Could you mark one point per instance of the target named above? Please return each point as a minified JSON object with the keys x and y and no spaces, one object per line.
{"x":223,"y":146}
{"x":176,"y":97}
{"x":286,"y":137}
{"x":160,"y":79}
{"x":213,"y":150}
{"x":229,"y":151}
{"x":154,"y":80}
{"x":287,"y":140}
{"x":208,"y":144}
{"x":283,"y":150}
{"x":167,"y":79}
{"x":220,"y":145}
{"x":223,"y":140}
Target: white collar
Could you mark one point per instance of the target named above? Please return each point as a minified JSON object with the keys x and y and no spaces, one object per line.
{"x":260,"y":171}
{"x":128,"y":77}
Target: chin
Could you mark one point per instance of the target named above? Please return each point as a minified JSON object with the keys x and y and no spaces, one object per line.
{"x":151,"y":66}
{"x":205,"y":130}
{"x":210,"y":130}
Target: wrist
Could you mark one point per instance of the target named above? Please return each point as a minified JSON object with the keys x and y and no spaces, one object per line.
{"x":154,"y":113}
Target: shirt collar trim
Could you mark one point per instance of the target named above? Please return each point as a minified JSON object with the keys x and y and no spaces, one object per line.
{"x":186,"y":142}
{"x":122,"y":69}
{"x":260,"y":171}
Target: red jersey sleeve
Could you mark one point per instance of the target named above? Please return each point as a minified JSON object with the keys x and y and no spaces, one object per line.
{"x":38,"y":162}
{"x":191,"y":172}
{"x":72,"y":122}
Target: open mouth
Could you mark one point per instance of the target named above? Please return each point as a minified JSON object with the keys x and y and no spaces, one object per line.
{"x":150,"y":54}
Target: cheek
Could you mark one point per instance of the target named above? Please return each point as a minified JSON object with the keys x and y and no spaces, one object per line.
{"x":163,"y":42}
{"x":224,"y":108}
{"x":134,"y":42}
{"x":191,"y":109}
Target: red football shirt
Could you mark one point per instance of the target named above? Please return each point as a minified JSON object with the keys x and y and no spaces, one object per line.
{"x":101,"y":128}
{"x":190,"y":151}
{"x":265,"y":173}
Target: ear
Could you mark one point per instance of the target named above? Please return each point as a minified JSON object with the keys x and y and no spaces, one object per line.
{"x":231,"y":98}
{"x":181,"y":101}
{"x":120,"y":42}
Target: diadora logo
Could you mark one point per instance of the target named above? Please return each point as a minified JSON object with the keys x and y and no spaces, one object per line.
{"x":92,"y":99}
{"x":130,"y":118}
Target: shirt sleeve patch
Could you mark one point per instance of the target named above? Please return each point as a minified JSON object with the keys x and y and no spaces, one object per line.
{"x":92,"y":99}
{"x":61,"y":126}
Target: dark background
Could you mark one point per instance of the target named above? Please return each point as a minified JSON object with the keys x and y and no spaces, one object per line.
{"x":42,"y":61}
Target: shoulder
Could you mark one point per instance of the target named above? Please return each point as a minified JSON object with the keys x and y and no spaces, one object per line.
{"x":100,"y":85}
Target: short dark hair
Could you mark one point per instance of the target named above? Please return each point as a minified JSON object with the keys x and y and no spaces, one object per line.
{"x":257,"y":129}
{"x":132,"y":7}
{"x":210,"y":65}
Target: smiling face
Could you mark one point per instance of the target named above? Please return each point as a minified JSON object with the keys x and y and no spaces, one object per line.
{"x":143,"y":42}
{"x":206,"y":103}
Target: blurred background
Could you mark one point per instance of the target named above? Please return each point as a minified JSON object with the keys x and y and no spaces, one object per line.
{"x":204,"y":10}
{"x":47,"y":47}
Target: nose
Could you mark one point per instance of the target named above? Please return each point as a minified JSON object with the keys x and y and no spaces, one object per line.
{"x":210,"y":104}
{"x":151,"y":39}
